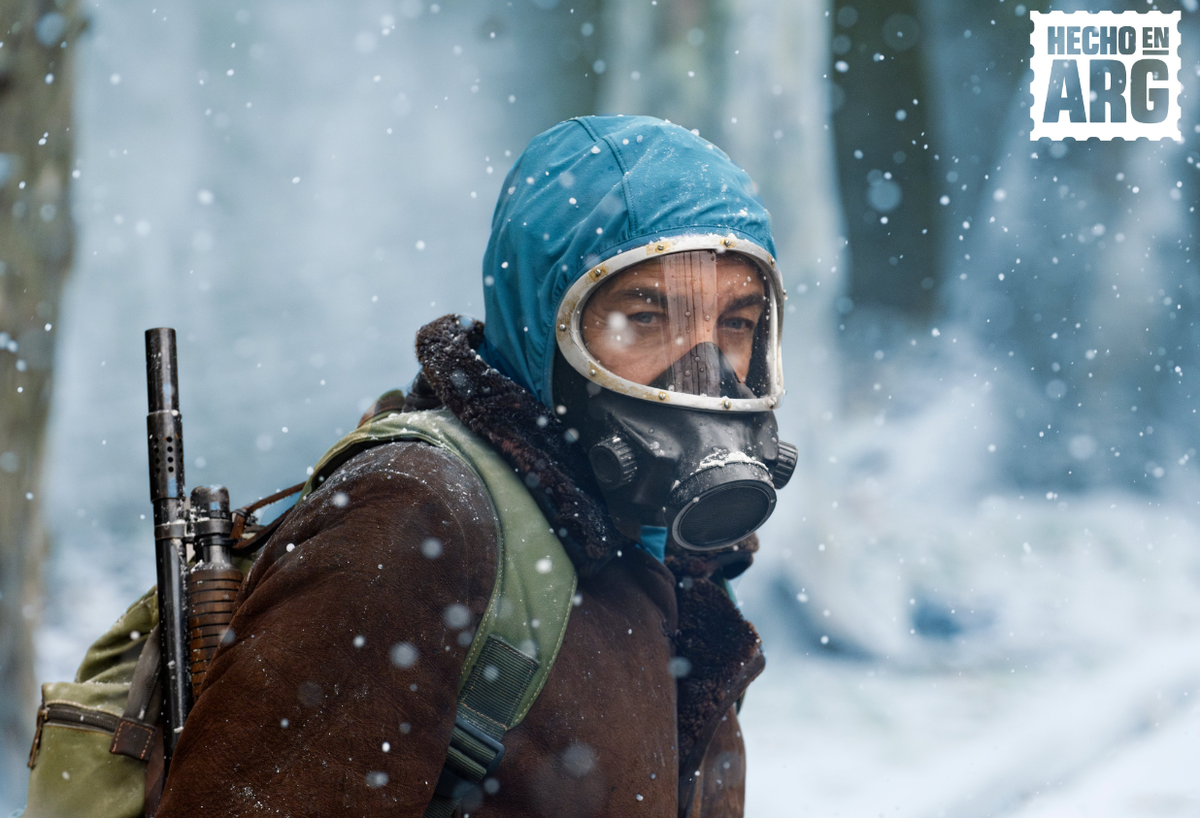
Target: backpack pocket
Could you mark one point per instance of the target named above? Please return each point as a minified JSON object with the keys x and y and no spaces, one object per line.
{"x":72,"y":770}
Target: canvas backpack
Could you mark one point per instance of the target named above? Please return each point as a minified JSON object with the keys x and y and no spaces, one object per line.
{"x":95,"y":735}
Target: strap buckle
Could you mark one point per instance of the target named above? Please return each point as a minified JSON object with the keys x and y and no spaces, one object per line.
{"x":473,"y":756}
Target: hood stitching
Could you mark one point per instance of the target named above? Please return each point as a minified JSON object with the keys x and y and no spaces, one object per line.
{"x":632,"y":220}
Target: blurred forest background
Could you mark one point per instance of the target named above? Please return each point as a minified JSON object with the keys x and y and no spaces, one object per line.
{"x":981,"y":594}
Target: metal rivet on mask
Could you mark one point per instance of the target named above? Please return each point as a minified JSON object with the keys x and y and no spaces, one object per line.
{"x":662,"y":395}
{"x":728,"y":242}
{"x":660,"y":247}
{"x":727,"y":403}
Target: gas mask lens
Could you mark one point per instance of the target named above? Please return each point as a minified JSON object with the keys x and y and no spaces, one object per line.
{"x":697,"y":322}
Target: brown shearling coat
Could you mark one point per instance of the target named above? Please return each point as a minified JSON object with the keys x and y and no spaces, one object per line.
{"x":314,"y":711}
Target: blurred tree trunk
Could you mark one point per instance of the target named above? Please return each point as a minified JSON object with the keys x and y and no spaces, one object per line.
{"x":36,"y":242}
{"x":885,"y":143}
{"x":667,"y":60}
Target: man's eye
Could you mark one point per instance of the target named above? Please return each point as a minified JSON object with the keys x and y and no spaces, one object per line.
{"x":737,"y":324}
{"x":643,"y":318}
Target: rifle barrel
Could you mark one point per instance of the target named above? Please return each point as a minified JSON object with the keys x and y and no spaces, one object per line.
{"x":164,"y":426}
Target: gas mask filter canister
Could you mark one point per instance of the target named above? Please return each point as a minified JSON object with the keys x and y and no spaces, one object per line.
{"x":668,"y":369}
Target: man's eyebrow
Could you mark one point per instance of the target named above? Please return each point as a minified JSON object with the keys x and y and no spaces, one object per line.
{"x":741,"y":302}
{"x":645,"y":295}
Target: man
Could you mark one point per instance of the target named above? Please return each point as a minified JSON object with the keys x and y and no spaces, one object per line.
{"x":626,"y":375}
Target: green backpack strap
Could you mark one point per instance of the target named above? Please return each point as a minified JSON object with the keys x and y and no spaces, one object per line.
{"x":522,"y":629}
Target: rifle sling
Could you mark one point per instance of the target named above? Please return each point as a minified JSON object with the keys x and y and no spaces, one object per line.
{"x":248,"y":545}
{"x":134,"y":736}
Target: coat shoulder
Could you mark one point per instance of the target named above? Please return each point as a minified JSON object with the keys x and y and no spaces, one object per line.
{"x":415,"y":504}
{"x":351,"y":635}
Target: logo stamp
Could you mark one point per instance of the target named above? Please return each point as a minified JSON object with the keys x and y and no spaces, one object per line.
{"x":1107,"y":75}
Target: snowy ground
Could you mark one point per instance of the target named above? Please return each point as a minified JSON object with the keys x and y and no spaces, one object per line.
{"x":843,"y":738}
{"x":939,"y":648}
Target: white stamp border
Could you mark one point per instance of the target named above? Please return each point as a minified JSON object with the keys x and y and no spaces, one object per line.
{"x":1129,"y":131}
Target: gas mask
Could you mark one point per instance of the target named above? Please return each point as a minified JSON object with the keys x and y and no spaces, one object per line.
{"x":668,"y":368}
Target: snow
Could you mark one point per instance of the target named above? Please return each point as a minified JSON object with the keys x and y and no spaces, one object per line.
{"x":851,"y":739}
{"x":941,"y":644}
{"x":978,"y":595}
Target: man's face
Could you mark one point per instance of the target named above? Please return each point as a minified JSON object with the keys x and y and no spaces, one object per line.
{"x":647,"y":317}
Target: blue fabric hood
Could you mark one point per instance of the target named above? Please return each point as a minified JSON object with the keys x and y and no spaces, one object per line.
{"x":582,"y":192}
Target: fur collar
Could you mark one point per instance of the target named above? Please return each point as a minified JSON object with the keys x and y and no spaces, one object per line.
{"x":527,"y":434}
{"x":722,"y":648}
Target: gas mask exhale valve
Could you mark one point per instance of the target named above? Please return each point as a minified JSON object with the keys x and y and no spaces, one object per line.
{"x":710,"y":479}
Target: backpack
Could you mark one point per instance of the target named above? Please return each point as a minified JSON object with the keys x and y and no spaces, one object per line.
{"x":95,"y":736}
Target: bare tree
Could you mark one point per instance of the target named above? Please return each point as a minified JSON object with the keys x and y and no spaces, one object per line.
{"x":36,"y":243}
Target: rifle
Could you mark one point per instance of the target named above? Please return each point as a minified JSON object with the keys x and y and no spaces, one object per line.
{"x":164,"y":426}
{"x":199,"y":599}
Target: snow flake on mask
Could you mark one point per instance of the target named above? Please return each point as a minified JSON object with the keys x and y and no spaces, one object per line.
{"x":341,"y":499}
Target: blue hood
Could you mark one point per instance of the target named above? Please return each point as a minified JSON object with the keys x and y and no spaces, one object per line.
{"x":582,"y":192}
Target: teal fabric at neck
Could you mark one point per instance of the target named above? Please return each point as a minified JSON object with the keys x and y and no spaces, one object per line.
{"x":653,"y":540}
